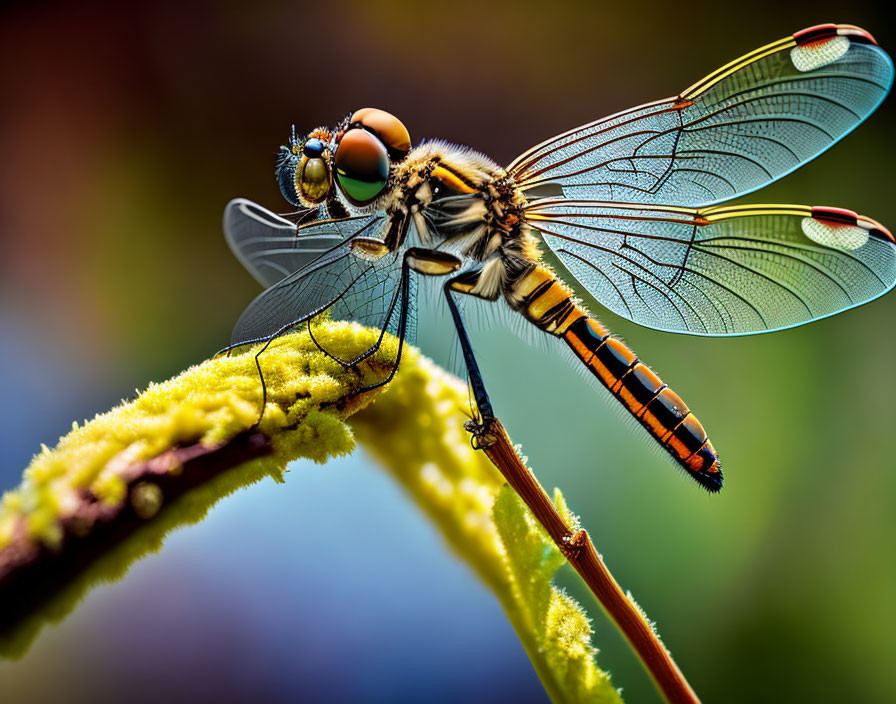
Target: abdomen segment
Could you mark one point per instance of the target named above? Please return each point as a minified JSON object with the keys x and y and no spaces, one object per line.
{"x":548,"y":303}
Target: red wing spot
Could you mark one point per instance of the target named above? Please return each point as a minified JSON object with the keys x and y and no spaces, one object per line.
{"x":883,"y":234}
{"x":818,"y":33}
{"x":682,"y":103}
{"x":875,"y":229}
{"x":839,"y":216}
{"x":856,"y":34}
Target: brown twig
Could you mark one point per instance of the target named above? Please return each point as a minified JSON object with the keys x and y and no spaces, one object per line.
{"x":492,"y":438}
{"x":31,"y":574}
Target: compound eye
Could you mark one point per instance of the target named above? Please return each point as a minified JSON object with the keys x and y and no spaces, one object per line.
{"x":387,"y":127}
{"x":362,"y":166}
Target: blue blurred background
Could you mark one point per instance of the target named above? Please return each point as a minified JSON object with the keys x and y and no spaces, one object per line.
{"x":125,"y":129}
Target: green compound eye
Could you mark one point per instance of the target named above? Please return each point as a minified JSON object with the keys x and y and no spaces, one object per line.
{"x":362,"y":166}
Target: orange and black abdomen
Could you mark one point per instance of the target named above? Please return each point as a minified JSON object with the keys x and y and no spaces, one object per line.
{"x":647,"y":398}
{"x":548,"y":303}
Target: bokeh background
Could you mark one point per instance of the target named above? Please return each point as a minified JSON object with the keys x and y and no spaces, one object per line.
{"x":126,"y":127}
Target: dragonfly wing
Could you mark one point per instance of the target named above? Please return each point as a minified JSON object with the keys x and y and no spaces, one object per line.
{"x":724,"y":270}
{"x":740,"y":128}
{"x":272,"y":247}
{"x":343,"y":282}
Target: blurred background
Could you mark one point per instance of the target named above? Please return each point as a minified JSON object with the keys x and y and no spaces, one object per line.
{"x":125,"y":129}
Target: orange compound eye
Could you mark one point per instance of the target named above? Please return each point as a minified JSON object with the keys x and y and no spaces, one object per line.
{"x":362,"y":166}
{"x":387,"y":127}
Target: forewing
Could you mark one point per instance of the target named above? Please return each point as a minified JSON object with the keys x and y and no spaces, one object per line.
{"x":272,"y":247}
{"x":342,"y":282}
{"x":719,"y":271}
{"x":749,"y":123}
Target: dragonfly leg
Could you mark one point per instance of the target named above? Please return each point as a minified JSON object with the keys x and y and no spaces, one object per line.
{"x":248,"y":343}
{"x":404,"y":285}
{"x":264,"y":386}
{"x":267,"y":340}
{"x":347,"y":364}
{"x":419,"y":260}
{"x":483,"y":403}
{"x":267,"y":343}
{"x":424,"y":262}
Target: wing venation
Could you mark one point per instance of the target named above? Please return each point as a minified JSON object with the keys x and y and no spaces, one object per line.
{"x":331,"y":276}
{"x":719,"y":271}
{"x":271,"y":247}
{"x":740,"y":128}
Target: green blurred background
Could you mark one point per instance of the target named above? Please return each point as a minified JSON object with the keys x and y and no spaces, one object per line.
{"x":126,"y":127}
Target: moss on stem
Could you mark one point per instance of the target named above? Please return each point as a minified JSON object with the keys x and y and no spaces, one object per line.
{"x":112,"y":488}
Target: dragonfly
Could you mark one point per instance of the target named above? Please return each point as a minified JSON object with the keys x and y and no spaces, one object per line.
{"x":631,"y":205}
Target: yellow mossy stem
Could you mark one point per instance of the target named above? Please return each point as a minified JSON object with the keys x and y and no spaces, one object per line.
{"x":209,"y":403}
{"x":415,"y":429}
{"x":82,"y":488}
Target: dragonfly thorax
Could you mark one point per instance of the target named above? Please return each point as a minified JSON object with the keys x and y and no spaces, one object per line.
{"x":461,"y":201}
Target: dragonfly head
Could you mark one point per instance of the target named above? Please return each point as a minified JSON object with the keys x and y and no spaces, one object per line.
{"x":360,"y":151}
{"x":303,"y":169}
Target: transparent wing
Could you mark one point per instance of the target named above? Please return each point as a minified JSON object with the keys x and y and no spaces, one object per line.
{"x":271,"y":247}
{"x":342,"y":282}
{"x":749,"y":123}
{"x":731,"y":270}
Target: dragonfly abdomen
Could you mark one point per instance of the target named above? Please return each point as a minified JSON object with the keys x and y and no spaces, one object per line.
{"x":657,"y":407}
{"x":548,"y":303}
{"x":543,"y":300}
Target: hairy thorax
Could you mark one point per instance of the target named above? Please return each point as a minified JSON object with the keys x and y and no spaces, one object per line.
{"x":462,"y":202}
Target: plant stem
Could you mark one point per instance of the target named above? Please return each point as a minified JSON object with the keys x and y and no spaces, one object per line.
{"x":31,"y":574}
{"x":492,"y":438}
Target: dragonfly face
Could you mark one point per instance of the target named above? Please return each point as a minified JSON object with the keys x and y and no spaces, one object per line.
{"x":359,"y":152}
{"x":304,"y":169}
{"x":634,"y":216}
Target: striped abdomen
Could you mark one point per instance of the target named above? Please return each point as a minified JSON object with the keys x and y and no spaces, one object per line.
{"x":548,"y":303}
